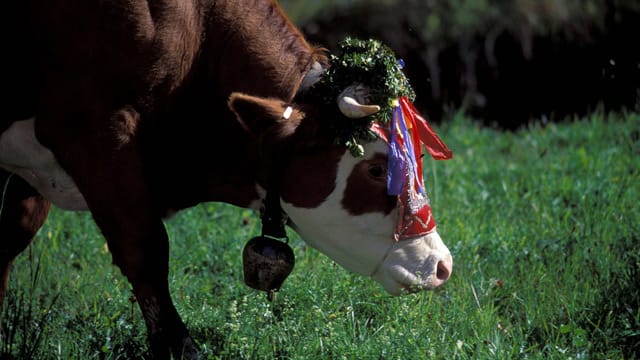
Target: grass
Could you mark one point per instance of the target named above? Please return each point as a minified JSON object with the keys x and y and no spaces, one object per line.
{"x":542,"y":222}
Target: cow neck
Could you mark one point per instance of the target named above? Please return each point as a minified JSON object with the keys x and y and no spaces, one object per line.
{"x":264,"y":53}
{"x":273,"y":217}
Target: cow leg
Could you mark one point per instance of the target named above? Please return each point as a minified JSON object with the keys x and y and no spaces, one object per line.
{"x":107,"y":168}
{"x":22,"y":213}
{"x":145,"y":265}
{"x":139,"y":247}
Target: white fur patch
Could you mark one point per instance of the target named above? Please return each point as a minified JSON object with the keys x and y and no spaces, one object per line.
{"x":357,"y":243}
{"x":22,"y":154}
{"x":365,"y":243}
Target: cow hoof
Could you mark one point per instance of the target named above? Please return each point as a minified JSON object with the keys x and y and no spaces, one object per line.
{"x":267,"y":263}
{"x":188,"y":350}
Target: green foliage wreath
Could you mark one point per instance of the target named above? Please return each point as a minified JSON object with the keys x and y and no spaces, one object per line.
{"x":373,"y":64}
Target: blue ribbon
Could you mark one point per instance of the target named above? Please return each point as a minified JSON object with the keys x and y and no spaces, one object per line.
{"x":402,"y":160}
{"x":397,"y":164}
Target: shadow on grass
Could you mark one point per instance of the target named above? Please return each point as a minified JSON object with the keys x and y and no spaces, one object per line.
{"x":28,"y":317}
{"x":24,"y":320}
{"x":615,"y":321}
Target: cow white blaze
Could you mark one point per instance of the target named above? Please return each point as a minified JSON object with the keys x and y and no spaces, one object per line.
{"x":363,"y":241}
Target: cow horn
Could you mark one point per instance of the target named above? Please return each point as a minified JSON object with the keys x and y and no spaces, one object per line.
{"x":313,"y":76}
{"x":352,"y":102}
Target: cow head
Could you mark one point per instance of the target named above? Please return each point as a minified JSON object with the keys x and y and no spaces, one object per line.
{"x":338,"y":199}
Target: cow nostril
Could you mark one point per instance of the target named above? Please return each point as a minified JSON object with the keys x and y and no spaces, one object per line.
{"x":443,"y":271}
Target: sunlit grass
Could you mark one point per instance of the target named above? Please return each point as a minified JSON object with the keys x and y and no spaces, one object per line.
{"x":543,"y":225}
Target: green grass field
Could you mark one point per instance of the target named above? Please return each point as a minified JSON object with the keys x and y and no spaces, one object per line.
{"x":543,"y":225}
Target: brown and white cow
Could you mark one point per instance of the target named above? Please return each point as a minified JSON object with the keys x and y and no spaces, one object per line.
{"x":133,"y":109}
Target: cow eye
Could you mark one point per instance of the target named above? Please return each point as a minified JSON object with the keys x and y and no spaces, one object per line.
{"x":376,"y":170}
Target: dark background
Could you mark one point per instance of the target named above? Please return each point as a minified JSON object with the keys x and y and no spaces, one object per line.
{"x":505,"y":62}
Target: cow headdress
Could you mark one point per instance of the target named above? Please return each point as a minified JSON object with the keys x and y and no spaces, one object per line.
{"x":366,"y":72}
{"x":374,"y":101}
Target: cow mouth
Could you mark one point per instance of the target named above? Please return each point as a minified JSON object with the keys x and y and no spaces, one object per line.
{"x":415,"y":265}
{"x":410,"y":282}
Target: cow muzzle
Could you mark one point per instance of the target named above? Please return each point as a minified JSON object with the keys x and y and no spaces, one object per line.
{"x":411,"y":265}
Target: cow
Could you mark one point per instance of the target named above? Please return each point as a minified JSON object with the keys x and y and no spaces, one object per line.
{"x":134,"y":110}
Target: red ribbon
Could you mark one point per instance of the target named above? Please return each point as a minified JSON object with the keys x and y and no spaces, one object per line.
{"x":415,"y":217}
{"x":428,"y":137}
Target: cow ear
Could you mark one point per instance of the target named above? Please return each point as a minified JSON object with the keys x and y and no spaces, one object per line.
{"x":265,"y":116}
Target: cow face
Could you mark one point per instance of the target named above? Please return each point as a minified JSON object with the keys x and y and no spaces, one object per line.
{"x":338,"y":202}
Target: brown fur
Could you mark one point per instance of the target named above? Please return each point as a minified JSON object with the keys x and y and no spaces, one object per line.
{"x":131,"y":97}
{"x":364,"y":184}
{"x":264,"y":117}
